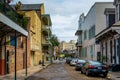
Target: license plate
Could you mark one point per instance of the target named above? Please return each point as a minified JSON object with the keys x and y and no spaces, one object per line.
{"x":99,"y":67}
{"x":103,"y":70}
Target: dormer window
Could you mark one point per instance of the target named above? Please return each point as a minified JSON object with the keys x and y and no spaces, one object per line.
{"x":110,"y":16}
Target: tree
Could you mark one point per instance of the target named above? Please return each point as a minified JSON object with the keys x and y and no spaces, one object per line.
{"x":54,"y":41}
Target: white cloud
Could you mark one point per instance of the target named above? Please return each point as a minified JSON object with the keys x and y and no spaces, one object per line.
{"x":65,"y":14}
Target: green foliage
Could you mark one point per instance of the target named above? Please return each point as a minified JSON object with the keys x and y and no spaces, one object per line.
{"x":2,"y":6}
{"x":54,"y":41}
{"x":23,"y":22}
{"x":104,"y":58}
{"x":18,"y":18}
{"x":68,"y":55}
{"x":18,"y":5}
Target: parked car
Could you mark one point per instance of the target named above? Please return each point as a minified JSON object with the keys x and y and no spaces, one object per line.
{"x":114,"y":72}
{"x":73,"y":62}
{"x":68,"y":60}
{"x":79,"y":64}
{"x":114,"y":68}
{"x":94,"y":68}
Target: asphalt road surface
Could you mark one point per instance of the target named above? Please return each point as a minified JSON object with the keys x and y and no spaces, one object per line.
{"x":61,"y":71}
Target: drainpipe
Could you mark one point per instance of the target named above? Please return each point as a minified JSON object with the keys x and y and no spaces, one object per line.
{"x":5,"y":56}
{"x":26,"y":57}
{"x":15,"y":55}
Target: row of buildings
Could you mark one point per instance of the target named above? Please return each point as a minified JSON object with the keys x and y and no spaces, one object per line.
{"x":25,"y":31}
{"x":99,"y":33}
{"x":67,"y":47}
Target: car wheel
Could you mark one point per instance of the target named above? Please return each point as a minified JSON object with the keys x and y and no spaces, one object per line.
{"x":87,"y":73}
{"x":81,"y":72}
{"x":76,"y":69}
{"x":104,"y":75}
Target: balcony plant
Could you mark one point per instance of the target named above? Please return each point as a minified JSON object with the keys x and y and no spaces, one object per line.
{"x":15,"y":16}
{"x":104,"y":58}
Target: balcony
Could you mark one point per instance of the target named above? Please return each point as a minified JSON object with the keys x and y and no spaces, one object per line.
{"x":46,"y":43}
{"x":10,"y":13}
{"x":46,"y":19}
{"x":35,"y":47}
{"x":79,"y":44}
{"x":78,"y":32}
{"x":46,"y":31}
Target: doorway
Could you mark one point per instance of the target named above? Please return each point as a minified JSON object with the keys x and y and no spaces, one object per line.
{"x":32,"y":58}
{"x":7,"y":62}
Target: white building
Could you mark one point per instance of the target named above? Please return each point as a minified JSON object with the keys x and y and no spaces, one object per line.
{"x":89,"y":26}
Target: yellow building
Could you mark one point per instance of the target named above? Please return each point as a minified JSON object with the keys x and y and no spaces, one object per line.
{"x":39,"y":31}
{"x":35,"y":36}
{"x":34,"y":11}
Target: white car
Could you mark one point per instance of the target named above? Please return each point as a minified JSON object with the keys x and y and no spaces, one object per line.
{"x":73,"y":62}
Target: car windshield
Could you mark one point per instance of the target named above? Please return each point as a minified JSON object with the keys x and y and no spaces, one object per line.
{"x":82,"y":61}
{"x":95,"y":63}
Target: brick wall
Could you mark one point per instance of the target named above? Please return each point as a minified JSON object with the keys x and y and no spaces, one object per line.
{"x":20,"y":56}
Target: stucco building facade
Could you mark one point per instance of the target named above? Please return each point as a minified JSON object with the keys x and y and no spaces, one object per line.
{"x":68,"y":46}
{"x":89,"y":26}
{"x":109,"y":39}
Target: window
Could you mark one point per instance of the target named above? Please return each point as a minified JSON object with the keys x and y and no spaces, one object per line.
{"x":111,"y":19}
{"x":12,"y":41}
{"x":92,"y":32}
{"x":85,"y":35}
{"x":84,"y":52}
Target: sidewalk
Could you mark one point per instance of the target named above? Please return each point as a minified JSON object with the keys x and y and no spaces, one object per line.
{"x":114,"y":76}
{"x":21,"y":74}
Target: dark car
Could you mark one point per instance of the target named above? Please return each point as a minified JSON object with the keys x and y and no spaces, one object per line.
{"x":94,"y":68}
{"x":68,"y":60}
{"x":79,"y":64}
{"x":114,"y":72}
{"x":114,"y":68}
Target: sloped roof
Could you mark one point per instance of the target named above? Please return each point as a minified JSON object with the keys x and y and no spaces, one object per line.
{"x":28,"y":7}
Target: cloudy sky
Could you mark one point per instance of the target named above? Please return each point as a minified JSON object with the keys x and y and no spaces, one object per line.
{"x":64,"y":15}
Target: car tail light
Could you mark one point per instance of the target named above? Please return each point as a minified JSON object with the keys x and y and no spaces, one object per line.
{"x":106,"y":67}
{"x":91,"y":66}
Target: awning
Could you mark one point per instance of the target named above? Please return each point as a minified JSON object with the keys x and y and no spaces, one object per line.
{"x":7,"y":25}
{"x":46,"y":19}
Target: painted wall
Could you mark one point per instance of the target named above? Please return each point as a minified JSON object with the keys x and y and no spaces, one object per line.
{"x":95,"y":17}
{"x":35,"y":37}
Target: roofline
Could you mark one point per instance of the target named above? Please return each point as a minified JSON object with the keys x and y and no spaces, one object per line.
{"x":28,"y":9}
{"x":95,"y":4}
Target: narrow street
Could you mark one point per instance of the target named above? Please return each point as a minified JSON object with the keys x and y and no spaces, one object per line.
{"x":60,"y":71}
